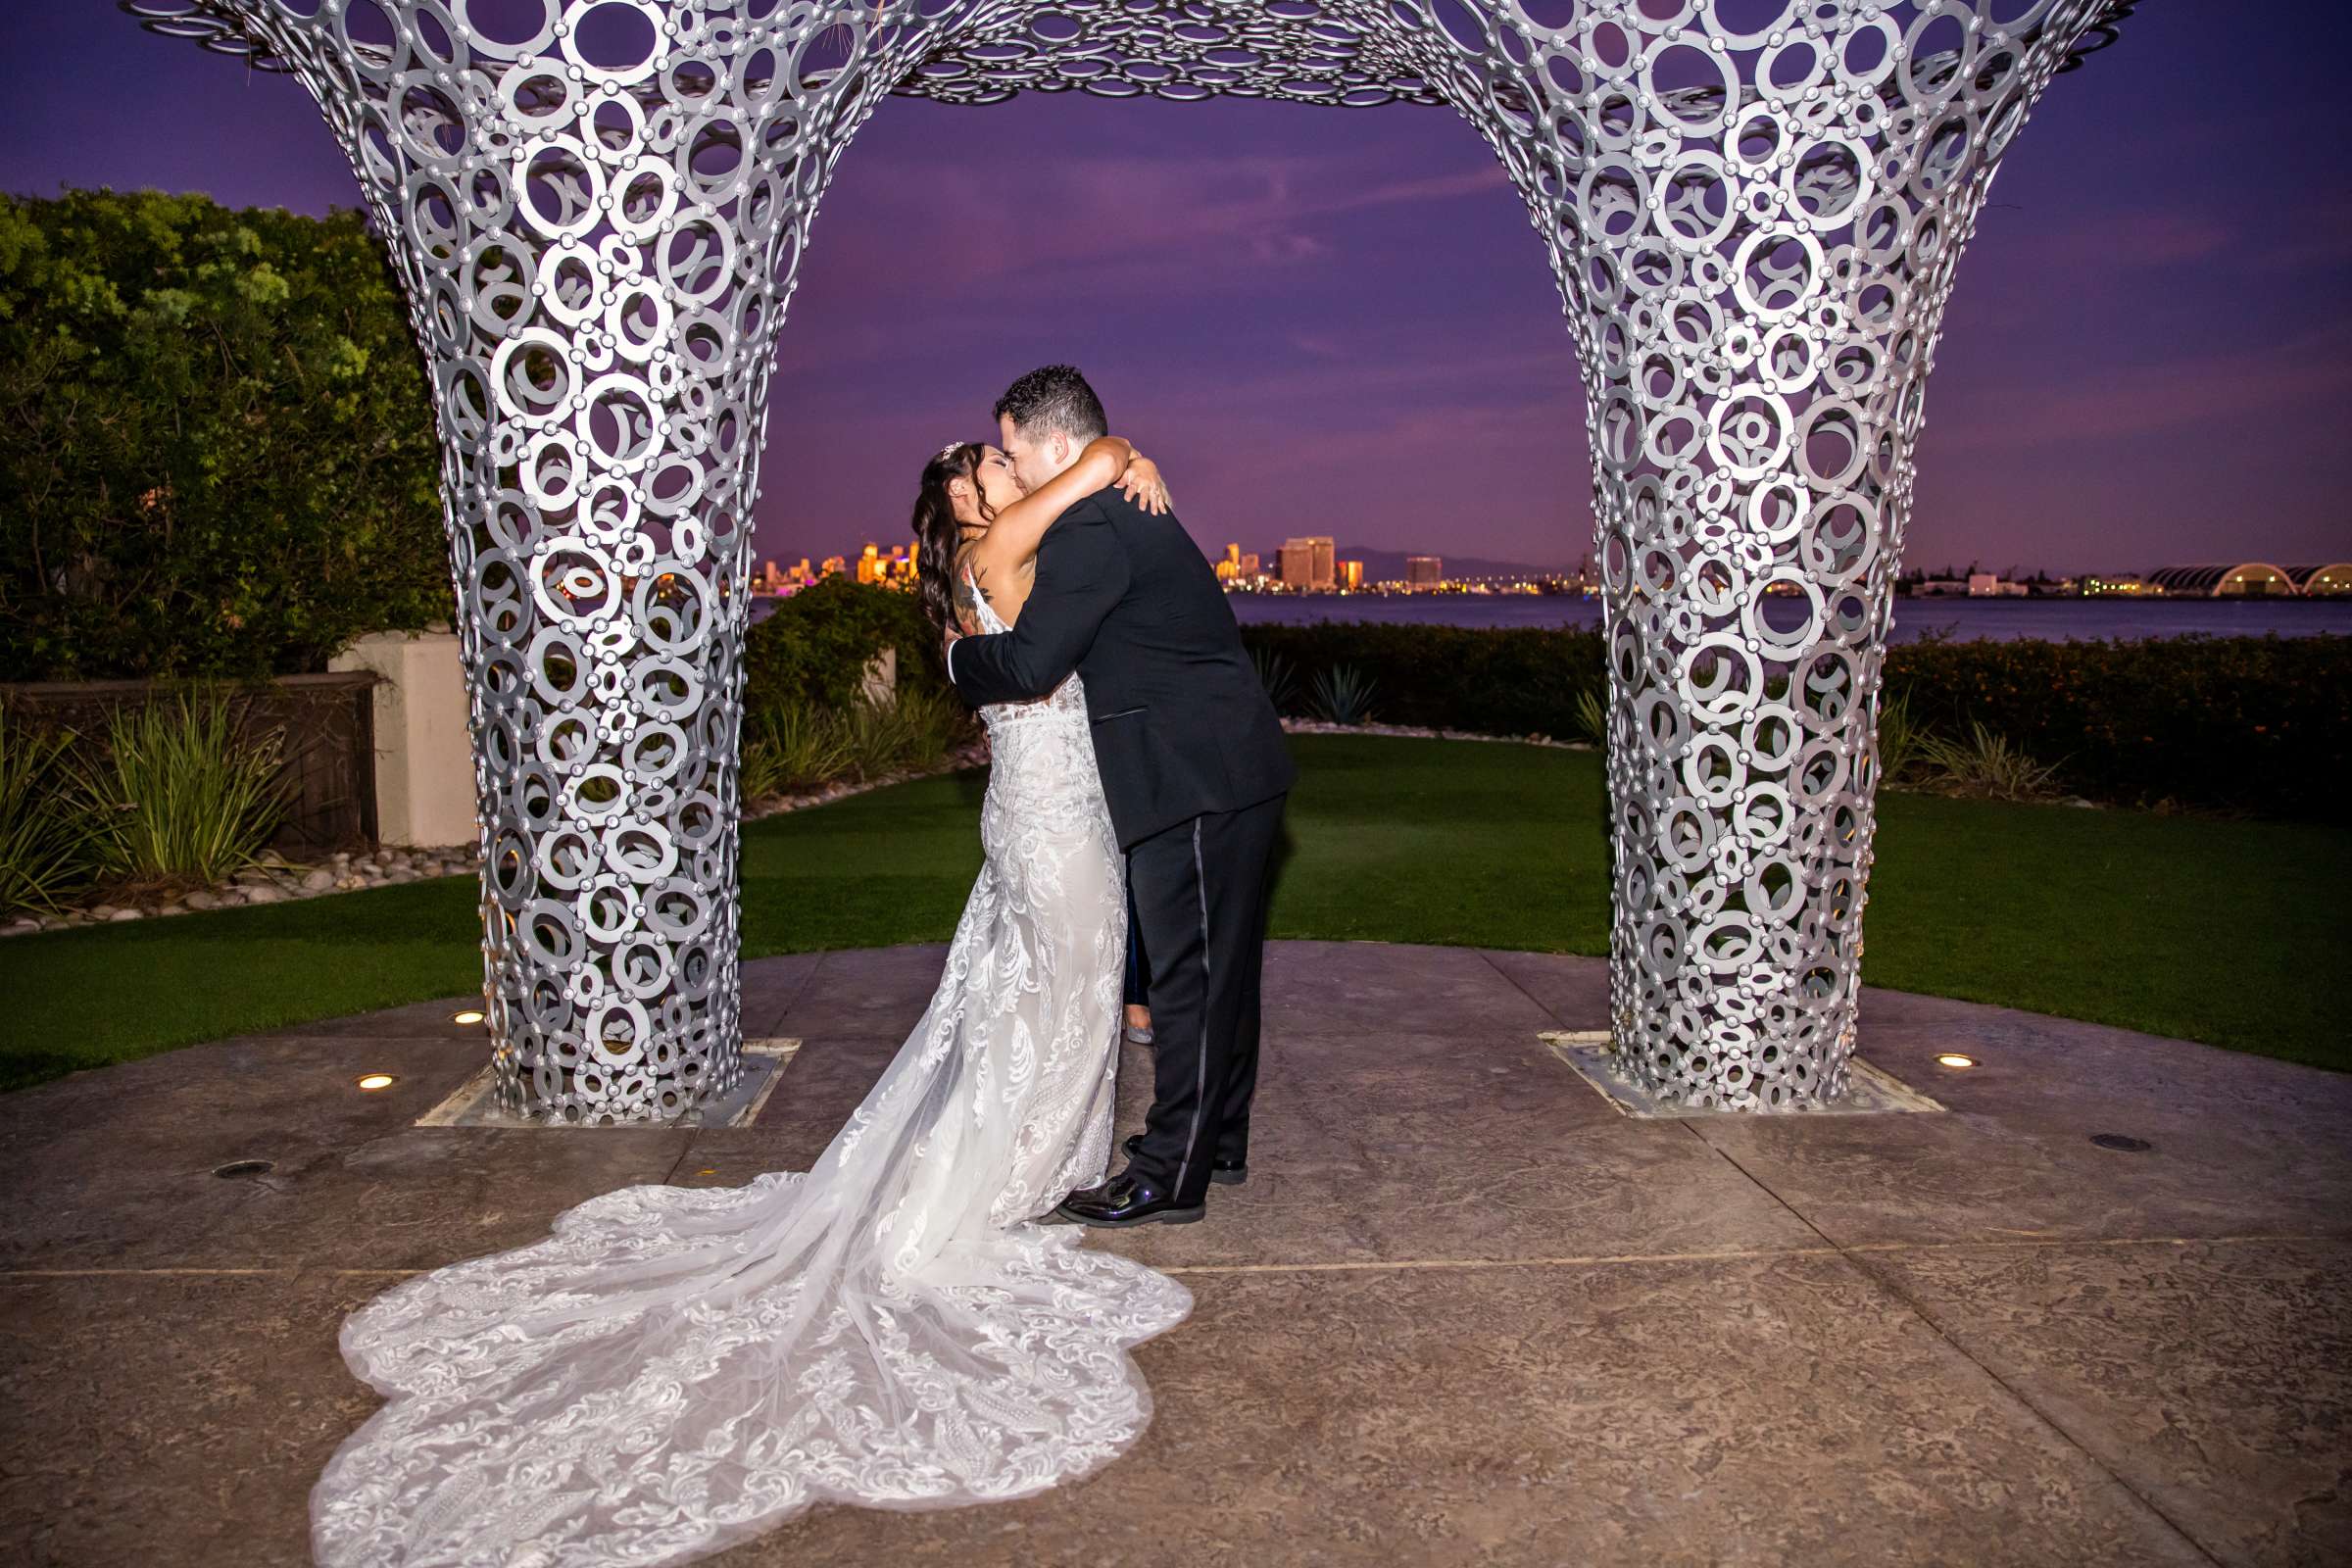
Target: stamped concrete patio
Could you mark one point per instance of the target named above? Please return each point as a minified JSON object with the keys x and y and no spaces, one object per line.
{"x":1463,"y":1313}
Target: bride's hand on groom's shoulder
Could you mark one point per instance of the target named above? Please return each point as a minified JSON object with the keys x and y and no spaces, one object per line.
{"x":1142,"y":485}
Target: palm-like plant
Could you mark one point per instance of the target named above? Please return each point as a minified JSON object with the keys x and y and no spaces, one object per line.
{"x":1341,"y":694}
{"x":1275,"y":674}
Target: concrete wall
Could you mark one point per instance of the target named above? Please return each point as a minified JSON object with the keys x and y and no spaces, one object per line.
{"x":423,"y":752}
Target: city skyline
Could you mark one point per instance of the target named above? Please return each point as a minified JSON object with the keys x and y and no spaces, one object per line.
{"x":1309,"y":315}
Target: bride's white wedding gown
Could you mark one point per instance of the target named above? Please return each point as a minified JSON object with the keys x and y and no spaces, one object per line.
{"x":674,"y":1370}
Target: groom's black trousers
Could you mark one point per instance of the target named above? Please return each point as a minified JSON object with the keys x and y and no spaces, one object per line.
{"x":1200,"y":896}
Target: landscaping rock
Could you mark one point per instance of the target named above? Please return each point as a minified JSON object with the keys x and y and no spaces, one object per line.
{"x":203,"y":898}
{"x":123,"y":914}
{"x":319,"y":881}
{"x":264,"y":894}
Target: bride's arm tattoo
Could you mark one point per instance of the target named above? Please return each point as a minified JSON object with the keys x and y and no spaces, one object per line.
{"x":967,"y":608}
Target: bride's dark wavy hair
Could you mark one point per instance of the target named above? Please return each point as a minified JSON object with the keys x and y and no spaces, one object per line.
{"x":937,"y":534}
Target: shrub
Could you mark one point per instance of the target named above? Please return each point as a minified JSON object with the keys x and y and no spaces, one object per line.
{"x":1341,"y":694}
{"x":1898,"y":738}
{"x":1984,"y":764}
{"x":221,"y":458}
{"x":1593,"y":716}
{"x":1274,"y":673}
{"x":934,"y":723}
{"x":47,"y":830}
{"x":792,"y":745}
{"x":1505,"y":682}
{"x":181,"y":799}
{"x":2260,"y":724}
{"x":2256,"y":724}
{"x":814,"y":648}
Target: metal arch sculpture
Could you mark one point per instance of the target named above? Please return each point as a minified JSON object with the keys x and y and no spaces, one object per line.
{"x":1753,"y":209}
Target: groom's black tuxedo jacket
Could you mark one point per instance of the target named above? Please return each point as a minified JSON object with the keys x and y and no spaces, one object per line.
{"x":1181,"y":721}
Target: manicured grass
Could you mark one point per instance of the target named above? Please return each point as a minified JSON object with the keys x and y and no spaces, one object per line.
{"x":2225,"y":932}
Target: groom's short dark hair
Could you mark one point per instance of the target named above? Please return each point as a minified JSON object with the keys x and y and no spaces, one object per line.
{"x":1050,"y":398}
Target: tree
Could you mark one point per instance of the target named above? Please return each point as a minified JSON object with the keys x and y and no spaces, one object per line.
{"x":219,"y":455}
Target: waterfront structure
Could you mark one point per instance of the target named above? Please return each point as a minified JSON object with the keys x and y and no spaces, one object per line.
{"x":1754,"y":214}
{"x":1351,"y":575}
{"x":1307,"y":562}
{"x":1424,"y":572}
{"x":2244,"y":580}
{"x":2328,"y":580}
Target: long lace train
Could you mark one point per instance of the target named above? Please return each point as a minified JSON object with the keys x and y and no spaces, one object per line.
{"x":675,"y":1370}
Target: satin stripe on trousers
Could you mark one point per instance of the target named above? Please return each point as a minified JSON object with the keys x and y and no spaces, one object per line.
{"x":1200,"y":891}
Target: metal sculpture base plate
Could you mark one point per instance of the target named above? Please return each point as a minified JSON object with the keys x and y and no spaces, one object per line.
{"x":1871,"y":1092}
{"x":476,"y":1105}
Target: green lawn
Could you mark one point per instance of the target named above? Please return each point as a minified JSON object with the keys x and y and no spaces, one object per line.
{"x":2224,"y":932}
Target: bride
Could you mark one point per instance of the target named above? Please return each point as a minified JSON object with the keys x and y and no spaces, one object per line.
{"x":673,"y":1371}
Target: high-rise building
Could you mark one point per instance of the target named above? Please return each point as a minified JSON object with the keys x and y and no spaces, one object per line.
{"x":1307,"y":563}
{"x":1248,"y":565}
{"x":869,"y":565}
{"x":1351,"y":575}
{"x":1424,"y":572}
{"x":1233,"y":557}
{"x":834,"y":566}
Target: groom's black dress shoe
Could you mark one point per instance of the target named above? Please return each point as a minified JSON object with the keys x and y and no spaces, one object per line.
{"x":1225,"y":1172}
{"x":1127,"y":1199}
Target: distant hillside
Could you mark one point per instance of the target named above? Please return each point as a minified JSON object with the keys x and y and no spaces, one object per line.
{"x":1388,"y":566}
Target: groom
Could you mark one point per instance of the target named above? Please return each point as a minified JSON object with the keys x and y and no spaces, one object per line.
{"x":1194,"y":769}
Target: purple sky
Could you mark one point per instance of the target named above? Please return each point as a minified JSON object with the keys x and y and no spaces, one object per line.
{"x":1339,"y":320}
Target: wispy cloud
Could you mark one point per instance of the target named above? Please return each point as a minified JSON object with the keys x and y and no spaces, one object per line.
{"x":1117,"y":221}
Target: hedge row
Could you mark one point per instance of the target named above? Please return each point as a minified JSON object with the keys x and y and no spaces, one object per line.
{"x":2256,"y":724}
{"x":814,"y":647}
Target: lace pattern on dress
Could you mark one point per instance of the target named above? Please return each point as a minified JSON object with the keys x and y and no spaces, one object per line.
{"x":675,"y":1370}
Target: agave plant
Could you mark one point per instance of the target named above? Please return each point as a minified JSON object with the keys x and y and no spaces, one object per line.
{"x":1275,"y":674}
{"x":1984,"y":764}
{"x":1341,"y":694}
{"x":47,"y":830}
{"x":184,"y":797}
